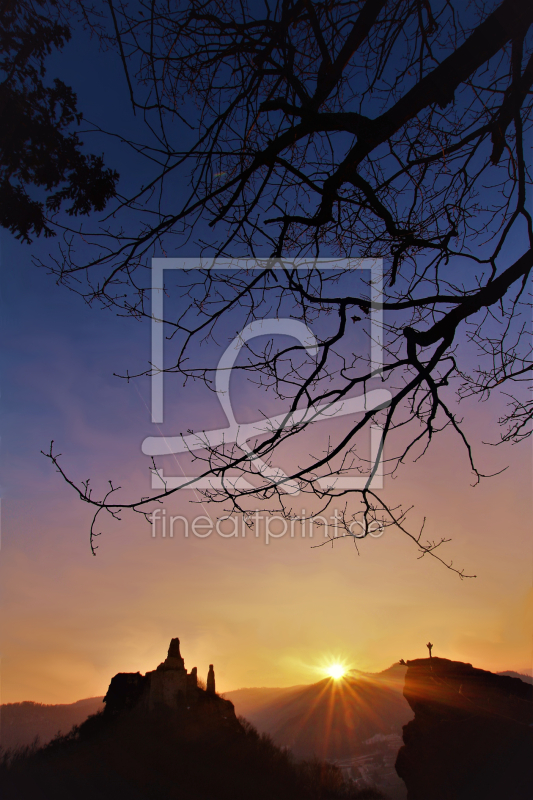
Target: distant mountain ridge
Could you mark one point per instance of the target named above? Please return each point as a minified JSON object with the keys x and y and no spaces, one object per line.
{"x":248,"y":701}
{"x":329,"y":719}
{"x":511,"y":674}
{"x":21,"y":723}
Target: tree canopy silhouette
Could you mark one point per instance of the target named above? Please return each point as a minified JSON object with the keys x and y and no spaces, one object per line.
{"x":42,"y":166}
{"x":390,"y":129}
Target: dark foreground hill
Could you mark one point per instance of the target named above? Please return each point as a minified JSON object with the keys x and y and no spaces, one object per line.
{"x":161,"y":756}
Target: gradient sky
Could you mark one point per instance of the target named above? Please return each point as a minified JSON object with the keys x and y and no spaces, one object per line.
{"x":264,"y":615}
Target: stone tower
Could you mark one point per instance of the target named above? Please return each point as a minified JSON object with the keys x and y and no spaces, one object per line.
{"x":211,"y":680}
{"x":168,"y":683}
{"x":174,"y":658}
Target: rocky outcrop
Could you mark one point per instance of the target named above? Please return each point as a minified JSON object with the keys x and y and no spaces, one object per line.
{"x":171,"y":687}
{"x":472,"y":734}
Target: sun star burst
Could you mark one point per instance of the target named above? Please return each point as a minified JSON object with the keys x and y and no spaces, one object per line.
{"x":336,"y":671}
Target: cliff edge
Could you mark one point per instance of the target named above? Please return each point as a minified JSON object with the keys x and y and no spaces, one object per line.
{"x":472,"y":734}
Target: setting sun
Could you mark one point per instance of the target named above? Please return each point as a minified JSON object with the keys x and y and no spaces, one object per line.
{"x":336,"y":671}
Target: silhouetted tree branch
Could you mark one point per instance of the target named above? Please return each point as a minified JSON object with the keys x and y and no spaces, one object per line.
{"x":311,"y":130}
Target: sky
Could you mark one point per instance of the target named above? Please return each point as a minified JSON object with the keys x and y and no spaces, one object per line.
{"x":264,"y":614}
